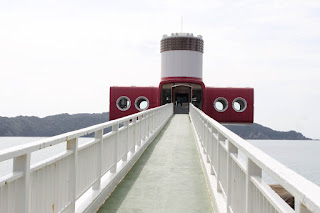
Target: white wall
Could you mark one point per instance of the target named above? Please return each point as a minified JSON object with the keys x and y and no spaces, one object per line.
{"x":181,"y":63}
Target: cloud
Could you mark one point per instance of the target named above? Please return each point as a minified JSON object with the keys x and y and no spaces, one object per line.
{"x":62,"y":56}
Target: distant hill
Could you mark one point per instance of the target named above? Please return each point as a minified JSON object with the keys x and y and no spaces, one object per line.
{"x":49,"y":126}
{"x":62,"y":123}
{"x":257,"y":131}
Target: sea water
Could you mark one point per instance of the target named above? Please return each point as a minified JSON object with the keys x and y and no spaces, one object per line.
{"x":302,"y":156}
{"x":37,"y":156}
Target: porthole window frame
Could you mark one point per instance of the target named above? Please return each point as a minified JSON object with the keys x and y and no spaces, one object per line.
{"x":219,"y":100}
{"x":138,"y":99}
{"x":243,"y":100}
{"x":129,"y":103}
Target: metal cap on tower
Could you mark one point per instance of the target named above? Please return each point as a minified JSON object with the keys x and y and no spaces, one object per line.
{"x":182,"y":41}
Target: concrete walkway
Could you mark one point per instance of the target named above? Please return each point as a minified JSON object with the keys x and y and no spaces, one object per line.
{"x":167,"y":178}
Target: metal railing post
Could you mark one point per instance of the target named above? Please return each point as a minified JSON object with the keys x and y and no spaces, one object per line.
{"x":140,"y":132}
{"x":214,"y":155}
{"x":232,"y":149}
{"x":98,"y":135}
{"x":157,"y":118}
{"x":134,"y":135}
{"x":147,"y":125}
{"x":73,"y":146}
{"x":252,"y":170}
{"x":126,"y":144}
{"x":115,"y":129}
{"x":202,"y":135}
{"x":206,"y":138}
{"x":22,"y":164}
{"x":153,"y":121}
{"x":220,"y":138}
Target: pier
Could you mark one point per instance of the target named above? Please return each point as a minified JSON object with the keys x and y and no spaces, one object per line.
{"x":151,"y":161}
{"x":167,"y":178}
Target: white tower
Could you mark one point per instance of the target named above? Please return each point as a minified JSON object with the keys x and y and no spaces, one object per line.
{"x":181,"y":56}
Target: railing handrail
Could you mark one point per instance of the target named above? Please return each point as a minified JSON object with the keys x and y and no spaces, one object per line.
{"x":306,"y":192}
{"x":18,"y":150}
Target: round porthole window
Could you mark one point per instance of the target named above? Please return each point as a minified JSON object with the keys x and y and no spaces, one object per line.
{"x":239,"y":104}
{"x":142,"y":103}
{"x":220,"y":104}
{"x":123,"y":103}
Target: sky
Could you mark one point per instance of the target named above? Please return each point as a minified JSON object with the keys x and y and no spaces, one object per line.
{"x":62,"y":56}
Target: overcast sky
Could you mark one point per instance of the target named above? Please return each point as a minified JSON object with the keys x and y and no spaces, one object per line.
{"x":62,"y":56}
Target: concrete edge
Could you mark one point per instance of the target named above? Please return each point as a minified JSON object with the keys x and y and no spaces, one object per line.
{"x":217,"y":199}
{"x":92,"y":200}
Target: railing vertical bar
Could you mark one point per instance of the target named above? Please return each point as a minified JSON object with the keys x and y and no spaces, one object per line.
{"x":148,"y":125}
{"x":214,"y":147}
{"x":231,"y":150}
{"x":134,"y":127}
{"x":207,"y":140}
{"x":48,"y":186}
{"x":126,"y":138}
{"x":11,"y":196}
{"x":154,"y":121}
{"x":211,"y":150}
{"x":61,"y":178}
{"x":115,"y":129}
{"x":22,"y":163}
{"x":72,"y":145}
{"x":98,"y":135}
{"x":252,"y":170}
{"x":140,"y":132}
{"x":202,"y":136}
{"x":51,"y":186}
{"x":64,"y":183}
{"x":218,"y":162}
{"x":144,"y":121}
{"x":142,"y":128}
{"x":56,"y":185}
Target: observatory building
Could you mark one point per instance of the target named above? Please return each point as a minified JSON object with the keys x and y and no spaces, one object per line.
{"x":181,"y":84}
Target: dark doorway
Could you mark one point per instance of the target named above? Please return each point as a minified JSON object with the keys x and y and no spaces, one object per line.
{"x":181,"y":98}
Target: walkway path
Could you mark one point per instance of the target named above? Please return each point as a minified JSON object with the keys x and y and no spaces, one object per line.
{"x":167,"y":178}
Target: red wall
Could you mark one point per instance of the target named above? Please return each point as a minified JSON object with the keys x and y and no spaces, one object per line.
{"x":230,"y":115}
{"x":151,"y":93}
{"x":209,"y":96}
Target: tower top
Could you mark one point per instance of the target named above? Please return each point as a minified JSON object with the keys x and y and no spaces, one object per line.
{"x":181,"y":41}
{"x":190,"y":35}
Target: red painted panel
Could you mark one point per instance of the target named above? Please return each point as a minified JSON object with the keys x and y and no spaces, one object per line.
{"x":230,"y":115}
{"x":209,"y":95}
{"x":151,"y":93}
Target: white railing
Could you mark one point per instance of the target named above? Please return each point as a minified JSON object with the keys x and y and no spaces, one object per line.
{"x":236,"y":185}
{"x":59,"y":183}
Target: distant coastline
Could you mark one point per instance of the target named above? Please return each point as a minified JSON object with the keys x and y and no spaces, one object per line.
{"x":258,"y":132}
{"x":57,"y":124}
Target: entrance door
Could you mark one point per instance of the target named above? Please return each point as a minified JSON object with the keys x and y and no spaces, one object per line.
{"x":181,"y":98}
